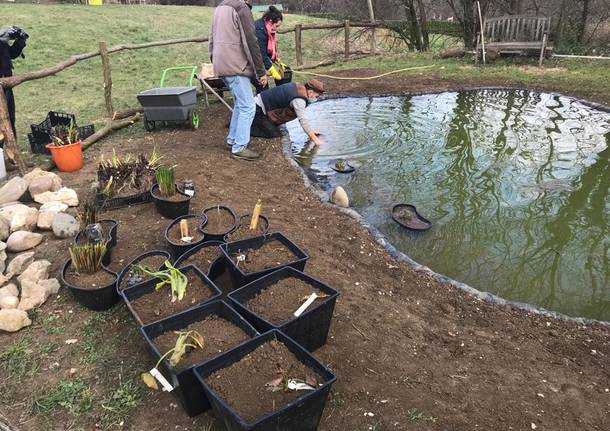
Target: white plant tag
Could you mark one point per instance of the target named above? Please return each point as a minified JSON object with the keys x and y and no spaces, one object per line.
{"x":298,"y":386}
{"x":161,"y":379}
{"x":189,"y":192}
{"x":306,"y":304}
{"x":186,"y":239}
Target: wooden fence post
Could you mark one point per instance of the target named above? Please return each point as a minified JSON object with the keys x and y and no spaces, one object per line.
{"x":297,"y":44}
{"x":10,"y":140}
{"x":347,"y":38}
{"x":107,"y":80}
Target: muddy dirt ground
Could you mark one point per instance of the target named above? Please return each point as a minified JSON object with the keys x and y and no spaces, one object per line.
{"x":410,"y":353}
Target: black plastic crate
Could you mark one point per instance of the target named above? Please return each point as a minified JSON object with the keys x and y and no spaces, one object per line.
{"x":303,"y":414}
{"x":178,"y":250}
{"x":41,"y":133}
{"x":122,"y":201}
{"x":310,"y":329}
{"x":148,"y":286}
{"x":241,"y":278}
{"x":186,"y":386}
{"x":53,"y":119}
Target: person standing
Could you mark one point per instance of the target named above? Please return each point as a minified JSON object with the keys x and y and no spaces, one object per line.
{"x":266,"y":32}
{"x":236,"y":58}
{"x":8,"y":52}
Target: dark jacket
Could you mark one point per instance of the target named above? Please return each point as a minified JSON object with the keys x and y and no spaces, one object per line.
{"x":277,"y":101}
{"x":263,"y":41}
{"x":7,"y":54}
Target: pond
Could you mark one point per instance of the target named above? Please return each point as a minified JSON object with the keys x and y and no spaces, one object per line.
{"x":516,"y":184}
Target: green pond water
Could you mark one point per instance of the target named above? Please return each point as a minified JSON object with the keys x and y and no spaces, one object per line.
{"x":516,"y":184}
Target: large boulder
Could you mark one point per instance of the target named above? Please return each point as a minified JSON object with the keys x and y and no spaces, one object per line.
{"x":47,"y":212}
{"x":40,"y":181}
{"x":66,"y":195}
{"x":13,"y":190}
{"x":19,"y":263}
{"x":34,"y":294}
{"x":12,"y":320}
{"x":65,"y":226}
{"x":339,"y":197}
{"x":9,"y":302}
{"x":5,"y":229}
{"x":23,"y":240}
{"x":8,"y":212}
{"x":36,"y":271}
{"x":9,"y":290}
{"x":25,"y":218}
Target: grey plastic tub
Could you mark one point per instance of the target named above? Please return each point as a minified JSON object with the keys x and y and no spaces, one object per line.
{"x":169,"y":103}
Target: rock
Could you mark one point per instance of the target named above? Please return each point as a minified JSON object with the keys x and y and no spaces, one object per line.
{"x":47,"y":212}
{"x":5,"y":229}
{"x":40,"y":181}
{"x":24,"y":219}
{"x":23,"y":240}
{"x":9,"y":211}
{"x":13,"y":190}
{"x":2,"y":257}
{"x":9,"y":302}
{"x":9,"y":204}
{"x":34,"y":294}
{"x":20,"y":262}
{"x":9,"y":290}
{"x":339,"y":197}
{"x":65,"y":226}
{"x":36,"y":271}
{"x":13,"y":320}
{"x":65,"y":195}
{"x":4,"y":279}
{"x":51,"y":285}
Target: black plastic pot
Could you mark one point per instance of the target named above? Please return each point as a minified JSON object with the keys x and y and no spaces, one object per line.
{"x":168,"y":208}
{"x":186,"y":386}
{"x":137,"y":260}
{"x":220,"y":235}
{"x":303,"y":414}
{"x":108,"y":225}
{"x":176,"y":249}
{"x":310,"y":329}
{"x":94,"y":299}
{"x":262,"y":220}
{"x":212,"y":271}
{"x":148,"y":286}
{"x":241,"y":278}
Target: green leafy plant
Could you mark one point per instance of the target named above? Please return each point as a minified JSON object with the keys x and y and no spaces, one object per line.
{"x":340,"y":164}
{"x":65,"y":135}
{"x":87,"y":258}
{"x":166,"y":178}
{"x":172,"y":276}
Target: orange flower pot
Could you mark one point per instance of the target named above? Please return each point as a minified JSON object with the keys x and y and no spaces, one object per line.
{"x":67,"y":158}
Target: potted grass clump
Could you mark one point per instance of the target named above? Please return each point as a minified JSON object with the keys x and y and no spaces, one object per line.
{"x":268,"y":383}
{"x":220,"y":221}
{"x":91,"y":283}
{"x":183,"y":233}
{"x":136,"y":271}
{"x":65,"y":147}
{"x":169,"y":291}
{"x":183,"y":341}
{"x":170,"y":202}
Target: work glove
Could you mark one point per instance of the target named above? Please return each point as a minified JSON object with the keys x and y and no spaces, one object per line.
{"x":274,"y":73}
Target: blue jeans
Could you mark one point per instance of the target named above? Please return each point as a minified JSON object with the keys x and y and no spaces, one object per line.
{"x":243,"y":112}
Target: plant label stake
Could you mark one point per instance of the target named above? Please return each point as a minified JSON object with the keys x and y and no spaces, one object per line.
{"x":255,"y":214}
{"x":188,"y":188}
{"x":306,"y":304}
{"x":184,"y":231}
{"x":167,"y":387}
{"x":240,"y":258}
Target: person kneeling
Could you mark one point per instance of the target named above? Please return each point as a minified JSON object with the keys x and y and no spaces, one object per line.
{"x":282,"y":104}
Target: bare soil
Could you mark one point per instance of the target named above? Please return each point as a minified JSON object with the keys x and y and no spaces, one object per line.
{"x":220,"y":221}
{"x":152,"y":263}
{"x":218,"y":335}
{"x":278,"y":302}
{"x":204,"y":257}
{"x":243,"y":231}
{"x":97,"y":280}
{"x":246,"y":385}
{"x":269,"y":255}
{"x":175,"y":236}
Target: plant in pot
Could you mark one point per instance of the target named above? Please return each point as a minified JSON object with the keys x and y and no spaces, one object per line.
{"x":65,"y":147}
{"x":183,"y":234}
{"x":91,"y":283}
{"x":170,"y":202}
{"x":96,"y":230}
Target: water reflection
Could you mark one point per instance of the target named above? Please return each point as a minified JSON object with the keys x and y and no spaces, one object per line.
{"x":516,"y":184}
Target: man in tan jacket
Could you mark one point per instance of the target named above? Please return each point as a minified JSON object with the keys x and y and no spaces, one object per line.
{"x":236,"y":57}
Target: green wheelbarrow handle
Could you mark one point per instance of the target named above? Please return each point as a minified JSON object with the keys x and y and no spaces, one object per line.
{"x":193,"y":70}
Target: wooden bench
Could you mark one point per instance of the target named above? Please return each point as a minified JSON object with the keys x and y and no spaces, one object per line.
{"x":515,"y":34}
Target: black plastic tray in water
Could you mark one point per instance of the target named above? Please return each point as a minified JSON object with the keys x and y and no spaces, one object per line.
{"x":302,"y":414}
{"x":241,"y":278}
{"x":137,"y":260}
{"x":178,"y":250}
{"x":168,"y":208}
{"x":94,"y":299}
{"x":415,"y":222}
{"x":220,"y":235}
{"x":186,"y":386}
{"x":148,"y":286}
{"x":209,"y":271}
{"x":346,"y":170}
{"x":310,"y":329}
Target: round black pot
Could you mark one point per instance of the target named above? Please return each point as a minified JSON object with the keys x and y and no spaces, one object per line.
{"x":108,"y":225}
{"x":178,"y":249}
{"x":212,"y":270}
{"x":94,"y":299}
{"x":262,"y":221}
{"x":220,"y":235}
{"x":167,"y":208}
{"x":137,"y":260}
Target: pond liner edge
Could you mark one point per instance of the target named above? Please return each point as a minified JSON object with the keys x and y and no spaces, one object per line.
{"x":312,"y":185}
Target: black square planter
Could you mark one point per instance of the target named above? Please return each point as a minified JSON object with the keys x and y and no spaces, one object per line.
{"x":302,"y":414}
{"x":310,"y":329}
{"x":148,"y":286}
{"x":241,"y":278}
{"x":186,"y":386}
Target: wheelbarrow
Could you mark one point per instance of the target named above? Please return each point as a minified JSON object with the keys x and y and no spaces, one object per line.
{"x":171,"y":104}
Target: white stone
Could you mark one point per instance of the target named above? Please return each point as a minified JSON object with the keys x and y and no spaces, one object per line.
{"x":47,"y":212}
{"x":9,"y":211}
{"x":37,"y":172}
{"x":65,"y":195}
{"x":51,"y":285}
{"x":65,"y":226}
{"x":32,"y":295}
{"x":5,"y":229}
{"x":23,"y":240}
{"x":339,"y":197}
{"x":9,"y":290}
{"x":20,"y":262}
{"x":3,"y":258}
{"x":9,"y":302}
{"x":13,"y":320}
{"x":36,"y":271}
{"x":43,"y":182}
{"x":24,"y":219}
{"x":13,"y":190}
{"x":4,"y":279}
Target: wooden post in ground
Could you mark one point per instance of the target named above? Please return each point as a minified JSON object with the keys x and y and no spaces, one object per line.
{"x":297,"y":44}
{"x":346,"y":38}
{"x":373,"y":30}
{"x":10,"y":140}
{"x":107,"y":80}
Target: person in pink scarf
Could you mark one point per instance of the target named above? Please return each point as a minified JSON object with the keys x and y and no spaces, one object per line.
{"x":266,"y":32}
